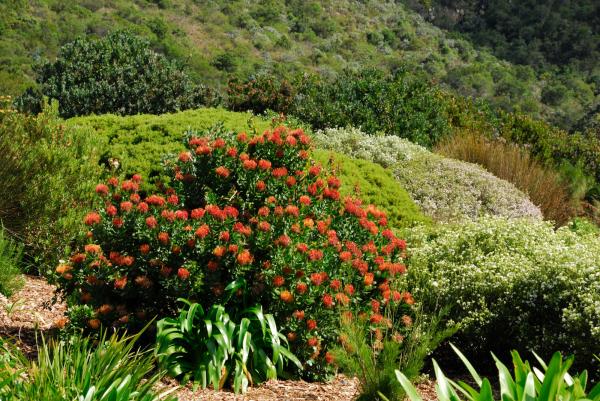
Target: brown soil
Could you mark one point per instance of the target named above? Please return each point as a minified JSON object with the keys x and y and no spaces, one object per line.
{"x":33,"y":311}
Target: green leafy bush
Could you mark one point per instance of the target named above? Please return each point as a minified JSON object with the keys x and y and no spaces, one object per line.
{"x":539,"y":287}
{"x":213,"y":349}
{"x":553,"y":382}
{"x":78,"y":369}
{"x":48,"y":172}
{"x":138,"y":144}
{"x":119,"y":73}
{"x":252,"y":211}
{"x":445,"y":189}
{"x":374,"y":185}
{"x":10,"y":257}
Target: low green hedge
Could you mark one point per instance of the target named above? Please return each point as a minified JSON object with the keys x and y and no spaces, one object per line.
{"x":374,"y":185}
{"x":139,"y":143}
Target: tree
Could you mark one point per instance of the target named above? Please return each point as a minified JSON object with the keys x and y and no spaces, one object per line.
{"x":119,"y":74}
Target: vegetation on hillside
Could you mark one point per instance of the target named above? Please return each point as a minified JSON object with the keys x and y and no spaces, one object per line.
{"x":222,"y":38}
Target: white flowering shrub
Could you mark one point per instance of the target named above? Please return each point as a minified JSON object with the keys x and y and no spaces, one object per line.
{"x":512,"y":284}
{"x":444,"y":188}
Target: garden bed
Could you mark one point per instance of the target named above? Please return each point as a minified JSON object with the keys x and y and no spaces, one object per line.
{"x":32,"y":311}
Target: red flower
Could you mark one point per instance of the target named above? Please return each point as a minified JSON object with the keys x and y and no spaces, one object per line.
{"x":117,"y":222}
{"x":142,"y":207}
{"x":137,"y":178}
{"x":345,"y":256}
{"x":222,"y":171}
{"x":185,"y":157}
{"x":314,"y":170}
{"x":311,"y":324}
{"x":283,"y":240}
{"x":333,"y":182}
{"x":224,"y":236}
{"x":329,"y":358}
{"x":232,"y":152}
{"x":316,"y":279}
{"x":375,"y":305}
{"x":376,"y":318}
{"x":292,"y":210}
{"x":113,"y":181}
{"x":242,"y":137}
{"x":299,"y":315}
{"x":212,"y":265}
{"x":219,"y":251}
{"x":335,"y":284}
{"x":183,"y":273}
{"x":126,"y":206}
{"x":287,"y":297}
{"x":144,"y":249}
{"x":315,"y":254}
{"x":244,"y":257}
{"x":313,"y":341}
{"x":198,"y":213}
{"x":155,"y":200}
{"x":279,"y":172}
{"x":202,"y":231}
{"x":102,"y":189}
{"x":130,"y":186}
{"x":135,"y":198}
{"x":163,"y":238}
{"x":278,"y":281}
{"x":264,"y":164}
{"x":264,"y":211}
{"x":301,"y":247}
{"x":218,"y":143}
{"x":327,"y":300}
{"x":261,"y":186}
{"x":181,"y":215}
{"x":120,"y":283}
{"x":151,"y":222}
{"x":231,"y":211}
{"x":92,"y":218}
{"x":349,"y":289}
{"x":342,"y":298}
{"x":290,"y":181}
{"x":249,"y":164}
{"x":369,"y":279}
{"x":301,"y":288}
{"x":305,"y":200}
{"x":173,"y":199}
{"x":264,"y":226}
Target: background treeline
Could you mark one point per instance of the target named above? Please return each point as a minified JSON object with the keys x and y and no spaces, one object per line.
{"x":218,"y":39}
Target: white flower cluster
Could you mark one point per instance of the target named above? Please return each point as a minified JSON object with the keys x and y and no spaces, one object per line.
{"x":513,"y":283}
{"x":444,"y":188}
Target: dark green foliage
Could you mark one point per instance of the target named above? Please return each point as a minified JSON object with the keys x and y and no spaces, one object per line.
{"x":117,"y":74}
{"x":373,"y":185}
{"x":400,"y":104}
{"x":48,"y":172}
{"x":10,"y":257}
{"x":138,"y":143}
{"x":215,"y":349}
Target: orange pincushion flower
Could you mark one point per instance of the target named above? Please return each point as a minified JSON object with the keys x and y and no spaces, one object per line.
{"x":62,"y":269}
{"x":212,"y":265}
{"x":311,"y":324}
{"x":163,"y":238}
{"x":183,"y":273}
{"x":92,"y":218}
{"x":264,"y":164}
{"x":244,"y":257}
{"x":261,"y":186}
{"x":407,"y":320}
{"x":120,"y":283}
{"x":313,"y":341}
{"x":222,"y":171}
{"x":279,"y":172}
{"x":105,"y":309}
{"x":249,"y":164}
{"x":299,"y":314}
{"x":342,"y":298}
{"x":376,"y":318}
{"x":291,"y":336}
{"x":301,"y":288}
{"x":329,"y":358}
{"x":92,"y":248}
{"x":143,"y":281}
{"x":144,"y":249}
{"x":369,"y":277}
{"x":305,"y":200}
{"x":185,"y":157}
{"x":78,"y":257}
{"x":287,"y":297}
{"x":349,"y":289}
{"x":202,"y":231}
{"x":102,"y":189}
{"x":328,"y":301}
{"x":94,"y":324}
{"x":315,"y":254}
{"x":151,"y":222}
{"x":219,"y":251}
{"x":278,"y":281}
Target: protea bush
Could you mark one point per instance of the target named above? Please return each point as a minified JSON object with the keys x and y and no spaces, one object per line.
{"x":247,"y":220}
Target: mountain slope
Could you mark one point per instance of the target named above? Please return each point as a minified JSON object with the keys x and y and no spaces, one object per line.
{"x":217,"y":39}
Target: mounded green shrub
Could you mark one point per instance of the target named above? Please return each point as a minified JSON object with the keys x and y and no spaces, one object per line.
{"x":513,"y":284}
{"x":48,"y":171}
{"x":138,"y":144}
{"x":375,"y":185}
{"x":119,"y":73}
{"x":445,"y":189}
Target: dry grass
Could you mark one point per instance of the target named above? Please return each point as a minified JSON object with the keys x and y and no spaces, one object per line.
{"x":544,"y":186}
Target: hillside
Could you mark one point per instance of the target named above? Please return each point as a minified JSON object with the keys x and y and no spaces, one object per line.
{"x":219,"y":39}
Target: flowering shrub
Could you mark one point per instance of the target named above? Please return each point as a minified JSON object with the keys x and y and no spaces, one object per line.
{"x":248,"y":220}
{"x":539,"y":287}
{"x":445,"y":189}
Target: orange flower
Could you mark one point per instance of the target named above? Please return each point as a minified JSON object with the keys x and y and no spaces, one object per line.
{"x":244,"y":257}
{"x":311,"y":324}
{"x":94,"y":324}
{"x":92,"y":218}
{"x":328,"y":301}
{"x":222,"y":171}
{"x":219,"y":251}
{"x":301,"y":288}
{"x":120,"y":282}
{"x":299,"y":314}
{"x":183,"y":273}
{"x":278,"y":281}
{"x":102,"y":189}
{"x":287,"y":297}
{"x":369,"y":279}
{"x":163,"y":238}
{"x":291,"y":336}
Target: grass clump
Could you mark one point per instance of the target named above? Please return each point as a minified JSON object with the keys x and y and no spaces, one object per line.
{"x":512,"y":163}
